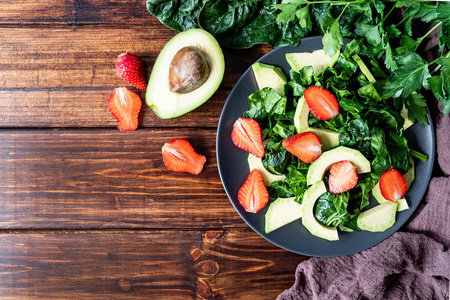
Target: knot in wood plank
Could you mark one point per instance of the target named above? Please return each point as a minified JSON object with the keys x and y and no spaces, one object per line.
{"x":196,"y":253}
{"x":207,"y":268}
{"x":124,"y":285}
{"x":203,"y":290}
{"x":212,"y":236}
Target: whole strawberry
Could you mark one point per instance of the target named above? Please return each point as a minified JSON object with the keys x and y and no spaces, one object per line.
{"x":131,"y":68}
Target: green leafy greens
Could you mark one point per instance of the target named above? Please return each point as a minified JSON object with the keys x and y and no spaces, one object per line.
{"x":387,"y":42}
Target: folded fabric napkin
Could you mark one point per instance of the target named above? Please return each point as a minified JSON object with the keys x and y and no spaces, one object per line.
{"x":413,"y":263}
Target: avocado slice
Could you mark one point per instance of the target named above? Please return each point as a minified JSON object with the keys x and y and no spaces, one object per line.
{"x":318,"y":167}
{"x":378,"y":218}
{"x":309,"y":220}
{"x":301,"y":115}
{"x":328,"y":138}
{"x":410,"y":175}
{"x":404,"y":113}
{"x":317,"y":59}
{"x":282,"y":212}
{"x":402,"y":203}
{"x":376,"y":193}
{"x":269,"y":76}
{"x":256,"y":163}
{"x":168,"y":104}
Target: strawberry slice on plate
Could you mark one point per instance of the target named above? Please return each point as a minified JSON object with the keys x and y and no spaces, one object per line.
{"x":131,"y":68}
{"x":125,"y":106}
{"x":246,"y":135}
{"x":343,"y":177}
{"x":306,"y":146}
{"x":322,"y":104}
{"x":392,"y":185}
{"x":253,"y":195}
{"x":180,"y":156}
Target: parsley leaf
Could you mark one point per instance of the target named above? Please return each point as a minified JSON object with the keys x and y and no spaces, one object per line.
{"x":416,"y":106}
{"x":411,"y":75}
{"x":333,"y":39}
{"x":288,"y":10}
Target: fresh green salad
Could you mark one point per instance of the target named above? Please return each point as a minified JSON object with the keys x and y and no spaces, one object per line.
{"x":368,"y":131}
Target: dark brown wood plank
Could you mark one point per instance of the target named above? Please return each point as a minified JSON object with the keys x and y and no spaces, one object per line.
{"x":72,"y":56}
{"x":234,"y":264}
{"x":38,"y":11}
{"x":66,"y":76}
{"x":88,"y":108}
{"x":75,"y":12}
{"x":108,"y":179}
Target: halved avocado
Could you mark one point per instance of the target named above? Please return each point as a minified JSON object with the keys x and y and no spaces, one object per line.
{"x":169,"y":99}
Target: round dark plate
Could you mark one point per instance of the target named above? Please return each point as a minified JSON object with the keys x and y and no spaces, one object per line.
{"x":234,"y":169}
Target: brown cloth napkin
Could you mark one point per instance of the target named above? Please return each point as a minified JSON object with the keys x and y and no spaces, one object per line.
{"x":411,"y":264}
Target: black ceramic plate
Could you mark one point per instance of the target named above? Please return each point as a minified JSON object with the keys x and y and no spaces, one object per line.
{"x":233,"y":169}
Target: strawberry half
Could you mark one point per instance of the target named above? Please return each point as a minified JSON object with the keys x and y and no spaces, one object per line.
{"x":180,"y":156}
{"x":253,"y":195}
{"x":306,"y":146}
{"x":322,"y":104}
{"x":125,"y":106}
{"x":343,"y":177}
{"x":131,"y":68}
{"x":246,"y":135}
{"x":392,"y":185}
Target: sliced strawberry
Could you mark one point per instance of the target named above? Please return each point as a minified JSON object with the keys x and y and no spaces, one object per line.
{"x":322,"y":104}
{"x":392,"y":185}
{"x":180,"y":156}
{"x":253,"y":195}
{"x":343,"y":177}
{"x":306,"y":146}
{"x":125,"y":106}
{"x":131,"y":68}
{"x":246,"y":135}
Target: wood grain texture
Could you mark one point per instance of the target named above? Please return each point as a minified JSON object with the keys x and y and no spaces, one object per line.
{"x":143,"y":265}
{"x":89,"y":212}
{"x":88,"y":108}
{"x":107,"y":179}
{"x":75,"y":12}
{"x":64,"y":78}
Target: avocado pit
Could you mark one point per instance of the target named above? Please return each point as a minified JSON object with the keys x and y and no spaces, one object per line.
{"x":188,"y":70}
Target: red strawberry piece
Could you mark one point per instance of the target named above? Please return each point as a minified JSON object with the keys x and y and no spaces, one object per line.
{"x":253,"y":195}
{"x":343,"y":177}
{"x":180,"y":156}
{"x":306,"y":146}
{"x":125,"y":106}
{"x":322,"y":104}
{"x":246,"y":135}
{"x":392,"y":185}
{"x":131,"y":68}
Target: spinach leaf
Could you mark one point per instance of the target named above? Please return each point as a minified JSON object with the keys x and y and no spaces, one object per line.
{"x":223,"y":18}
{"x":263,"y":28}
{"x":265,"y":102}
{"x":176,"y":14}
{"x":326,"y":209}
{"x":293,"y":186}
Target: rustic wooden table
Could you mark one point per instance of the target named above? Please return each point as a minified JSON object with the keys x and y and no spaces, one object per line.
{"x":89,"y":212}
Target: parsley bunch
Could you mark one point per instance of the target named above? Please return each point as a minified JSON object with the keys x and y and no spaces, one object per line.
{"x":389,"y":47}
